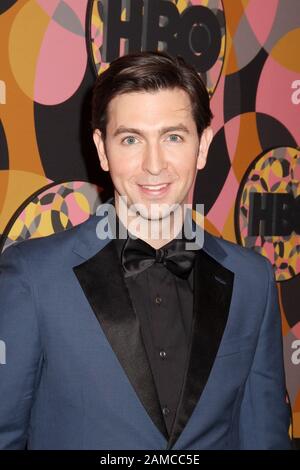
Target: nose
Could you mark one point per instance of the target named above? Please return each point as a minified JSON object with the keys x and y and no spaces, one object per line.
{"x":154,"y":159}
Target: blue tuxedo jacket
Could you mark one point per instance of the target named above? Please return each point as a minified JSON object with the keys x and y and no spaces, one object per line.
{"x":77,"y":375}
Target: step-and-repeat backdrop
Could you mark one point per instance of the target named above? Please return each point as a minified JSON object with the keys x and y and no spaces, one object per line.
{"x":247,"y":52}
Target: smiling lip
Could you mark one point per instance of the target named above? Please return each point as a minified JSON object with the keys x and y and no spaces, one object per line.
{"x":154,"y":189}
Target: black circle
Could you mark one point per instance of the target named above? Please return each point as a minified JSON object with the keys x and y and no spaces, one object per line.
{"x":6,"y":4}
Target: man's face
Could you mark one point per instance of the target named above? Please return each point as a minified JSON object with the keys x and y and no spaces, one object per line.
{"x":152,"y":148}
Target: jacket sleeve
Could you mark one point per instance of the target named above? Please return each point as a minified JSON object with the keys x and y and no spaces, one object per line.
{"x":265,"y":416}
{"x":21,"y":352}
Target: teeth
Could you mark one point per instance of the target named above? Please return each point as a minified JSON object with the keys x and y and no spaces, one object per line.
{"x":155,"y":188}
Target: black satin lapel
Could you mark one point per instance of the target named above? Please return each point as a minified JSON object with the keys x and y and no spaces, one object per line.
{"x":102,"y":282}
{"x":213,"y":285}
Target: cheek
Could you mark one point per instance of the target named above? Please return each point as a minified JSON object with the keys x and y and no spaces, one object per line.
{"x":122,"y":161}
{"x":121,"y":169}
{"x":184,"y":157}
{"x":186,"y":167}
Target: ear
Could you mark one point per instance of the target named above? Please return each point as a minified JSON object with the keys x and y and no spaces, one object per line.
{"x":100,"y":146}
{"x":205,"y":141}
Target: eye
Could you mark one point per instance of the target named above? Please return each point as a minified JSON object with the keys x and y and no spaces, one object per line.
{"x":129,"y":140}
{"x":174,"y":138}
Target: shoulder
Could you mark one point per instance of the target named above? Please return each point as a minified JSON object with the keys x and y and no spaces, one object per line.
{"x":239,"y":258}
{"x":52,"y":247}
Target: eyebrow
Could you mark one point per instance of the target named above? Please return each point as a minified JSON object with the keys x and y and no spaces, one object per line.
{"x":163,"y":130}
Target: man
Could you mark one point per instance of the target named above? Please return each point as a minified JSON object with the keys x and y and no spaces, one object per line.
{"x":141,"y":343}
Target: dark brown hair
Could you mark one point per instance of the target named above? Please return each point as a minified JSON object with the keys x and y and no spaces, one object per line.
{"x":149,"y":71}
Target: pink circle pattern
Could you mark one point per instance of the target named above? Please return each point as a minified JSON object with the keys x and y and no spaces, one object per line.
{"x":62,"y":58}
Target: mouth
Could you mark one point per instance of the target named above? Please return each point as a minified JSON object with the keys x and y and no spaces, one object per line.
{"x":154,"y":189}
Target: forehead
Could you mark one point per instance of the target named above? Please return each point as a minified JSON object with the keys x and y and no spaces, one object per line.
{"x":144,"y":109}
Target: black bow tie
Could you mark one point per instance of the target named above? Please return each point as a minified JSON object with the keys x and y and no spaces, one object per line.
{"x":137,"y":256}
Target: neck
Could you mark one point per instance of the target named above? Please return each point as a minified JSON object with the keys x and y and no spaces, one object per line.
{"x":156,"y":232}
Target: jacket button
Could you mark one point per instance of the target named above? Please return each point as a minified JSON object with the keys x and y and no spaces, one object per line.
{"x":163,"y":354}
{"x":165,"y":411}
{"x":158,"y":300}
